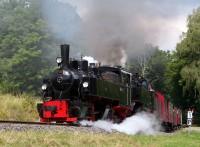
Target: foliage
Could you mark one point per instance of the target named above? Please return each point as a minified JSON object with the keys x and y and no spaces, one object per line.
{"x":184,"y":69}
{"x":24,"y":40}
{"x":189,"y":51}
{"x":139,"y":62}
{"x":21,"y":107}
{"x":152,"y":66}
{"x":156,"y":69}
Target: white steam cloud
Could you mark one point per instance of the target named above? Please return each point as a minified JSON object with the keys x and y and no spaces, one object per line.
{"x":112,"y":30}
{"x":90,"y":60}
{"x":141,"y":123}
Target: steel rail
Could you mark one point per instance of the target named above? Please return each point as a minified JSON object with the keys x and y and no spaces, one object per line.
{"x":38,"y":123}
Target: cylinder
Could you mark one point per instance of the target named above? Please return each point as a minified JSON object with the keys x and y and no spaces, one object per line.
{"x":65,"y":54}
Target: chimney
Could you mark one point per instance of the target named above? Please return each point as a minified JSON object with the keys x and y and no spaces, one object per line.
{"x":65,"y":54}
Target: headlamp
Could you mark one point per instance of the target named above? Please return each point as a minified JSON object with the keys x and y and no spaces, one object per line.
{"x":59,"y":60}
{"x":44,"y":87}
{"x":85,"y":84}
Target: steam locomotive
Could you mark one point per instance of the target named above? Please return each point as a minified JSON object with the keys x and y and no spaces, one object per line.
{"x":77,"y":91}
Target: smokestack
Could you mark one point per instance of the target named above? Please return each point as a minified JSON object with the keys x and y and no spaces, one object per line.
{"x":65,"y":54}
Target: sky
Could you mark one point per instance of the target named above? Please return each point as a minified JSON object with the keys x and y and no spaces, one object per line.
{"x":164,"y":19}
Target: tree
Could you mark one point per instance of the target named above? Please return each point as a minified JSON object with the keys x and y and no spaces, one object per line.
{"x":139,"y":62}
{"x":184,"y":69}
{"x":152,"y":65}
{"x":156,"y":69}
{"x":24,"y":40}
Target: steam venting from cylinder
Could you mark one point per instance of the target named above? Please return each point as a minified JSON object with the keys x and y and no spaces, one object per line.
{"x":65,"y":54}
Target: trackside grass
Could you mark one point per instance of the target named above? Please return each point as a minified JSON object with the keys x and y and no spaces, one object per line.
{"x":77,"y":139}
{"x":22,"y":107}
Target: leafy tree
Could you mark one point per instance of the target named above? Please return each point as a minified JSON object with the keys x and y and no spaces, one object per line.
{"x":139,"y":62}
{"x":184,"y":69}
{"x":152,"y":65}
{"x":24,"y":40}
{"x":156,"y":69}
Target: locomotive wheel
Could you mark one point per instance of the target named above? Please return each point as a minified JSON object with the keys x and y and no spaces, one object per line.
{"x":115,"y":118}
{"x":75,"y":111}
{"x":108,"y":113}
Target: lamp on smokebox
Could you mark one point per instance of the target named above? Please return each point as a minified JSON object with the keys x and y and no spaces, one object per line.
{"x":44,"y":87}
{"x":85,"y":84}
{"x":59,"y":60}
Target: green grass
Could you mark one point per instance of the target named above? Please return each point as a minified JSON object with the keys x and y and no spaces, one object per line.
{"x":77,"y":139}
{"x":22,"y":107}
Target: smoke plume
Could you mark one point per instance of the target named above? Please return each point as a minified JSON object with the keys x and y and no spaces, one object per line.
{"x":112,"y":30}
{"x":141,"y":123}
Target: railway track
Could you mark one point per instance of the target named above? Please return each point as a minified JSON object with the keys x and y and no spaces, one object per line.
{"x":38,"y":123}
{"x":10,"y":125}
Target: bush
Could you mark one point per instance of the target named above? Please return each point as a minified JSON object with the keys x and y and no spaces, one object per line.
{"x":21,"y":107}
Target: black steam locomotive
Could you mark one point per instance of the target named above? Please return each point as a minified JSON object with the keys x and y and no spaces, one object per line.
{"x":78,"y":91}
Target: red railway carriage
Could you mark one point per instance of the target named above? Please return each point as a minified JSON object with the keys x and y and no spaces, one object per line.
{"x":170,"y":107}
{"x":160,"y":106}
{"x":169,"y":115}
{"x":175,"y":116}
{"x":179,"y":118}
